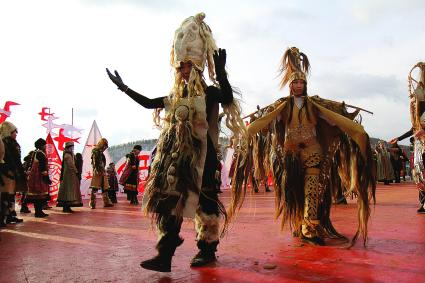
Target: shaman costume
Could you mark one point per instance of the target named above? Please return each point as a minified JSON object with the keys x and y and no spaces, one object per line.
{"x":69,"y":194}
{"x":259,"y":140}
{"x":13,"y":173}
{"x":130,"y":176}
{"x":384,"y":168}
{"x":417,"y":116}
{"x":99,"y":180}
{"x":304,"y":135}
{"x":183,"y":179}
{"x":113,"y":182}
{"x":38,"y":178}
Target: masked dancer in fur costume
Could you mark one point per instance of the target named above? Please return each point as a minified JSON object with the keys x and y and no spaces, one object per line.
{"x":417,"y":116}
{"x":303,"y":135}
{"x":183,"y":178}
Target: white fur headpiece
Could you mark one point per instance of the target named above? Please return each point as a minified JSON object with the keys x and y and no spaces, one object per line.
{"x":193,"y":41}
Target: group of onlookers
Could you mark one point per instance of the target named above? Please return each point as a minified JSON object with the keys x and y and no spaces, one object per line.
{"x":391,"y":163}
{"x":29,"y":178}
{"x":29,"y":181}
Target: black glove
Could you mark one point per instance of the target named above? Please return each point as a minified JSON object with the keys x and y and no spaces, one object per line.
{"x":220,"y":63}
{"x":46,"y":179}
{"x":117,"y":80}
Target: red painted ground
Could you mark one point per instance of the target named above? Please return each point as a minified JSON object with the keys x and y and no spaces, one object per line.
{"x":107,"y":245}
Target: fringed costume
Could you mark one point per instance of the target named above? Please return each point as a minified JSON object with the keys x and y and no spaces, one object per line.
{"x":417,"y":116}
{"x":305,"y":136}
{"x":99,"y":180}
{"x":258,"y":144}
{"x":184,"y":177}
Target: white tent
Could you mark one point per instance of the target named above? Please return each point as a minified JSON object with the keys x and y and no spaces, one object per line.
{"x":92,"y":140}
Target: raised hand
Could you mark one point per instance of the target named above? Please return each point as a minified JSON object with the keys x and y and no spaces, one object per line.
{"x":117,"y":80}
{"x":220,"y":62}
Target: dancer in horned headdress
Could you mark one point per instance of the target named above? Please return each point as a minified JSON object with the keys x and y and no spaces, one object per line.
{"x":417,"y":115}
{"x":305,"y":135}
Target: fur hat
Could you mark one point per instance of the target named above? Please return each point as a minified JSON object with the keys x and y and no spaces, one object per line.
{"x":39,"y":143}
{"x":138,"y":147}
{"x":102,"y":143}
{"x":6,"y":129}
{"x":69,"y":144}
{"x":193,"y":41}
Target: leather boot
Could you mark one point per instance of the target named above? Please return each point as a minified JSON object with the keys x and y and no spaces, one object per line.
{"x":106,"y":201}
{"x":169,"y":226}
{"x":92,"y":203}
{"x":24,"y":208}
{"x":38,"y":206}
{"x":166,"y":248}
{"x":206,"y":254}
{"x":12,"y":217}
{"x":2,"y":221}
{"x":67,"y":209}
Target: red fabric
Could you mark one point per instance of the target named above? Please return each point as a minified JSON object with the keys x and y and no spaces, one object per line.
{"x":36,"y":186}
{"x":125,"y":174}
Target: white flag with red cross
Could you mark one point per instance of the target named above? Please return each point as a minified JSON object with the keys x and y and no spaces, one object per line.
{"x":87,"y":173}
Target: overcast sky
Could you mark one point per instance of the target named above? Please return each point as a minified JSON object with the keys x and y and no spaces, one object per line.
{"x":54,"y":54}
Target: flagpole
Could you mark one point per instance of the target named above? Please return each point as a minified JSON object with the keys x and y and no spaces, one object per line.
{"x":72,"y":116}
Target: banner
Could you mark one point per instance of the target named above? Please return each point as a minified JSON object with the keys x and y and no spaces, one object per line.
{"x":92,"y":139}
{"x":55,"y":165}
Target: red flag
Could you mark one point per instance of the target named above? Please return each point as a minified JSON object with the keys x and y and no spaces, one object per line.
{"x":43,"y":113}
{"x":61,"y":139}
{"x":55,"y":165}
{"x":5,"y":112}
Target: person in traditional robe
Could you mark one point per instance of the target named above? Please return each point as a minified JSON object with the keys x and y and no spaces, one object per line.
{"x":38,"y":178}
{"x":113,"y":182}
{"x":130,"y":176}
{"x":69,"y":194}
{"x":14,"y":176}
{"x":384,"y":168}
{"x":99,"y":180}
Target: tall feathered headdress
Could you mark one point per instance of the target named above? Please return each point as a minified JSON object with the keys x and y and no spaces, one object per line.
{"x":420,"y":85}
{"x":294,"y":66}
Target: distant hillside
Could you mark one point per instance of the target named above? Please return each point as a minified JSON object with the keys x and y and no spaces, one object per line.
{"x":120,"y":150}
